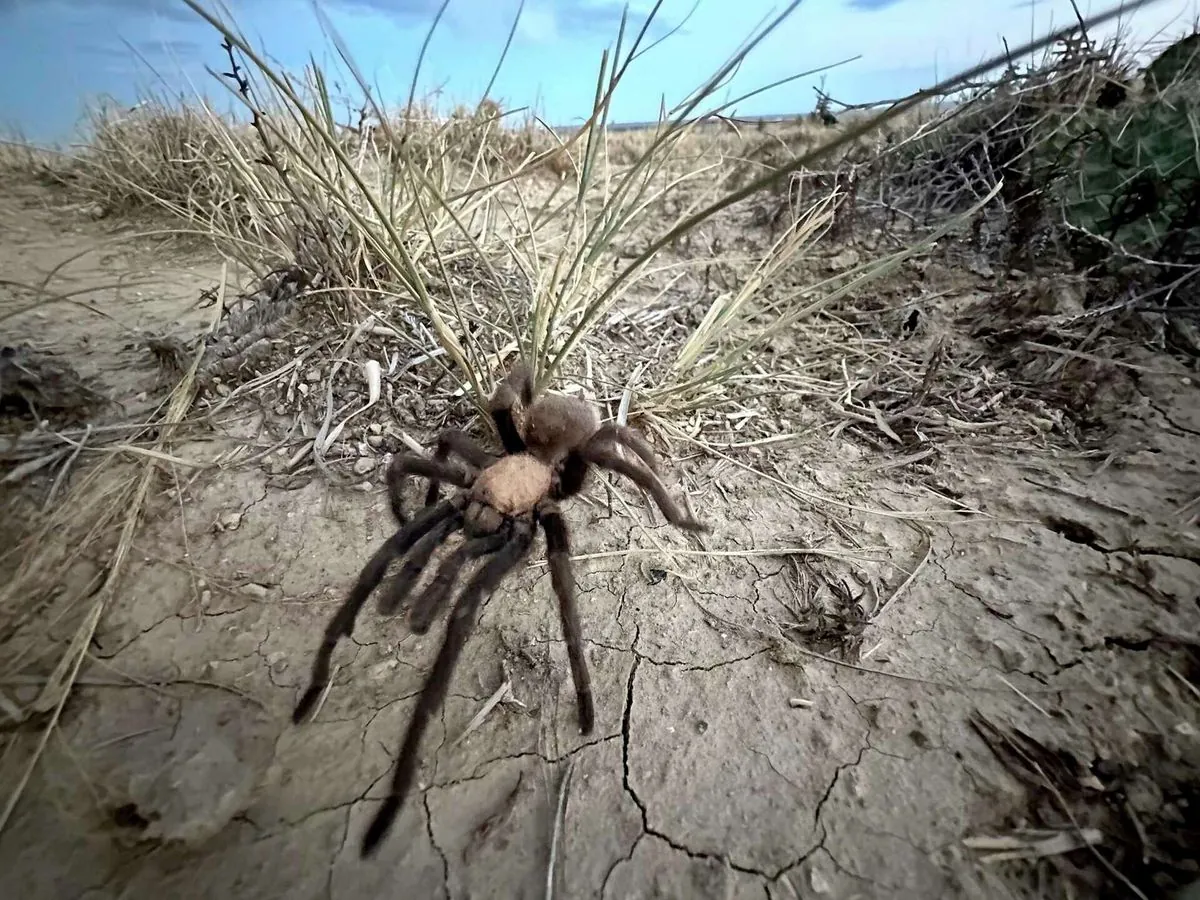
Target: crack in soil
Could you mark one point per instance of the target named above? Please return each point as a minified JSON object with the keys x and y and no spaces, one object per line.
{"x":684,"y":666}
{"x":627,"y":783}
{"x":617,"y":864}
{"x":828,"y":791}
{"x":433,"y":842}
{"x":483,"y":769}
{"x":1083,"y":534}
{"x":1170,"y":419}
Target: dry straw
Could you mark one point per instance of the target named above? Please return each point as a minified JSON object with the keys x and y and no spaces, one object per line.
{"x":424,"y":195}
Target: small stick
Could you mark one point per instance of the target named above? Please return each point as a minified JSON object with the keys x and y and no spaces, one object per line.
{"x":868,"y":654}
{"x":909,"y":580}
{"x":502,"y":693}
{"x":1024,"y":696}
{"x":10,"y":708}
{"x":127,"y":737}
{"x":62,"y":472}
{"x":559,"y":819}
{"x":1191,"y":687}
{"x":325,"y":693}
{"x":728,"y":554}
{"x":33,"y":465}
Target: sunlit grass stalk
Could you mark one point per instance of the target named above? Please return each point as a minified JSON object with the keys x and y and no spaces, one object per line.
{"x":727,"y":309}
{"x":570,"y":300}
{"x":693,"y":381}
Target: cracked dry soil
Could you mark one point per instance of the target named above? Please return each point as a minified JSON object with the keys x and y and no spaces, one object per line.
{"x":1070,"y":611}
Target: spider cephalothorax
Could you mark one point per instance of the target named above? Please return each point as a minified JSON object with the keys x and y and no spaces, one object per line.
{"x":501,"y":503}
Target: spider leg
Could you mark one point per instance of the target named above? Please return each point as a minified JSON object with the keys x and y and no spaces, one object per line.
{"x":431,"y":600}
{"x":571,"y":476}
{"x":517,"y":384}
{"x":437,"y":470}
{"x":623,"y":434}
{"x":558,"y":553}
{"x":482,"y":583}
{"x":605,"y":455}
{"x":342,"y":623}
{"x":418,"y":558}
{"x":454,"y":441}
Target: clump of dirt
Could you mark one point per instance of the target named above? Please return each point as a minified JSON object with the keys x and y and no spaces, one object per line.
{"x":39,"y":386}
{"x":200,"y":788}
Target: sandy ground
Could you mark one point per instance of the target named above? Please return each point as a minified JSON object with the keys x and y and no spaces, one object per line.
{"x":727,"y":760}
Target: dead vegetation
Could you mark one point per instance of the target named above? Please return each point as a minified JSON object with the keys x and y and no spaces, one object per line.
{"x":959,"y":271}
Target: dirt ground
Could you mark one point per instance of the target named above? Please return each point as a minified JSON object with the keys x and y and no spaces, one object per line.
{"x":730,"y":757}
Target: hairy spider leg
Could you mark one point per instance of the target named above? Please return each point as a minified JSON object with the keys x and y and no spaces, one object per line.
{"x":342,"y":623}
{"x":572,"y":476}
{"x":431,"y":600}
{"x":605,"y":456}
{"x":454,"y":441}
{"x":517,"y":384}
{"x":404,"y":464}
{"x":558,"y":554}
{"x":462,"y":621}
{"x":395,"y":592}
{"x":626,"y":436}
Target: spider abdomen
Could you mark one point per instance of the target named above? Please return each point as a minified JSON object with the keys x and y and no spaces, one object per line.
{"x":513,"y":485}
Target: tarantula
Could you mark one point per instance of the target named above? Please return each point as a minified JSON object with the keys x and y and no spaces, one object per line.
{"x":501,"y":502}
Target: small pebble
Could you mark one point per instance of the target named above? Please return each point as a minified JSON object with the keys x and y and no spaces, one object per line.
{"x":364,"y":465}
{"x":312,"y":376}
{"x":274,"y":466}
{"x":254,"y":590}
{"x":375,"y":428}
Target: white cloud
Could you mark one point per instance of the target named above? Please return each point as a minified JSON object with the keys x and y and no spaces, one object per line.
{"x":538,"y":24}
{"x":912,"y":33}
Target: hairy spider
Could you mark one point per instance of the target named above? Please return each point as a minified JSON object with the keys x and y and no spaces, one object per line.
{"x":501,"y":503}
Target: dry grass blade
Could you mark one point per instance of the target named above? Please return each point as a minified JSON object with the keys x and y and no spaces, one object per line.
{"x":501,"y":694}
{"x":560,"y":816}
{"x":1032,"y":844}
{"x":58,"y":687}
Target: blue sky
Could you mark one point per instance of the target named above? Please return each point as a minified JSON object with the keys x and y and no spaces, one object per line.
{"x":56,"y":54}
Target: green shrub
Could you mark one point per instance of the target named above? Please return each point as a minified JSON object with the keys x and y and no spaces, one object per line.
{"x":1131,"y":175}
